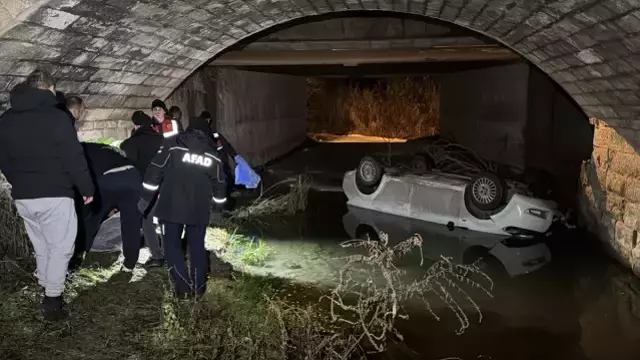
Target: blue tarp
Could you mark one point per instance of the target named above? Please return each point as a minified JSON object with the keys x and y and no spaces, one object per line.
{"x":245,"y":174}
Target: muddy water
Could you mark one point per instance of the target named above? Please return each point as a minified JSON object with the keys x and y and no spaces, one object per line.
{"x":558,"y":299}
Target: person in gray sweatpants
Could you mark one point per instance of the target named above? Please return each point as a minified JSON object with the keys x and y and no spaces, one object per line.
{"x":42,"y":159}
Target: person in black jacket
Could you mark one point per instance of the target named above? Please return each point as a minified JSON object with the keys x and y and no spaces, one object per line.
{"x":188,"y":174}
{"x":140,"y":148}
{"x":43,"y":161}
{"x":118,"y":187}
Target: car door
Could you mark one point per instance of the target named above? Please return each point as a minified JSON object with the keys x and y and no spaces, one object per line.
{"x":436,"y":198}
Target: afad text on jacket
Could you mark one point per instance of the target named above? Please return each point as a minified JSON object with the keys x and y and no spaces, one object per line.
{"x":188,"y":174}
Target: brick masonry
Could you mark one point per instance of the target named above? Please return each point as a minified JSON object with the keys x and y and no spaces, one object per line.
{"x":122,"y":53}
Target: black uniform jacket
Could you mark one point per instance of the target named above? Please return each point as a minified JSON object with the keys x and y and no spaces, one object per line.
{"x":187,"y":173}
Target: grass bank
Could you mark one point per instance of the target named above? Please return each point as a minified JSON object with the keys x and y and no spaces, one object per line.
{"x":114,"y":315}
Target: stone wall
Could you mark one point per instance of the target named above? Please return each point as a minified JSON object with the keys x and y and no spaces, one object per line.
{"x":262,"y":115}
{"x":610,"y":196}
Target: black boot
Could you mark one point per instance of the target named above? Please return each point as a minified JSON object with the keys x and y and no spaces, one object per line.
{"x":52,"y":308}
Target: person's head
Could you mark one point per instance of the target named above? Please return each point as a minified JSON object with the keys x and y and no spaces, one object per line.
{"x":41,"y":79}
{"x":75,"y":106}
{"x":159,"y":110}
{"x":175,"y":113}
{"x":199,"y":124}
{"x":139,"y":118}
{"x":206,"y":115}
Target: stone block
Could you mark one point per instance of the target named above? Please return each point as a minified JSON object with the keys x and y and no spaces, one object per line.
{"x":616,"y":183}
{"x":23,"y":68}
{"x":101,"y":10}
{"x":108,"y":62}
{"x":105,"y":75}
{"x":162,"y":57}
{"x":116,"y":89}
{"x":72,"y":87}
{"x":17,"y":50}
{"x":95,"y":87}
{"x":137,"y":102}
{"x":632,"y":190}
{"x":133,"y":78}
{"x":53,"y":18}
{"x":97,"y":114}
{"x":119,"y":114}
{"x":161,"y":92}
{"x":615,"y":206}
{"x":157,"y":81}
{"x":171,"y":47}
{"x":142,"y":90}
{"x":93,"y":27}
{"x":63,"y":4}
{"x":139,"y":53}
{"x":605,"y":136}
{"x":626,"y":164}
{"x":624,"y":237}
{"x":180,"y":73}
{"x":78,"y":57}
{"x":142,"y":25}
{"x":105,"y":101}
{"x":196,"y":54}
{"x":74,"y":73}
{"x":147,"y":40}
{"x":632,"y":215}
{"x":8,"y":82}
{"x":136,"y":66}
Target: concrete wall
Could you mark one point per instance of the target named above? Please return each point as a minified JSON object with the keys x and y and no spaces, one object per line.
{"x":515,"y":115}
{"x":486,"y":110}
{"x":262,"y":115}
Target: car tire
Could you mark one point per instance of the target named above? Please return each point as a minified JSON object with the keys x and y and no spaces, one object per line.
{"x":366,"y":232}
{"x":486,"y":192}
{"x":368,"y":175}
{"x":422,"y":163}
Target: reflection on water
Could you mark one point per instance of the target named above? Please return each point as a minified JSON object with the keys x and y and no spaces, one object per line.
{"x":579,"y":306}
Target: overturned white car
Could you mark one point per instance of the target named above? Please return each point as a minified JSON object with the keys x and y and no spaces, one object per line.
{"x":483,"y":202}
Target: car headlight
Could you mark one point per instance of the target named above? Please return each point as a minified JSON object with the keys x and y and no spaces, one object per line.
{"x":542,"y":214}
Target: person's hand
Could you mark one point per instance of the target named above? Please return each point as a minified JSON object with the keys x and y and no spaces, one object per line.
{"x":87,"y":199}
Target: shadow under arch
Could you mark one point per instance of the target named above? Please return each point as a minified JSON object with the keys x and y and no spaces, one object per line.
{"x":377,"y":13}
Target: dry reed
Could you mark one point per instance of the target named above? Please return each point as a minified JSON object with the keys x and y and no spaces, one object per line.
{"x":14,"y":242}
{"x":397,"y":107}
{"x":267,"y":204}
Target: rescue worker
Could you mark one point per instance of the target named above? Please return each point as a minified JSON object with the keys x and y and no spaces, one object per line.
{"x":42,"y":159}
{"x":117,"y":187}
{"x":175,"y":114}
{"x":140,"y":148}
{"x":163,"y":124}
{"x":188,"y":174}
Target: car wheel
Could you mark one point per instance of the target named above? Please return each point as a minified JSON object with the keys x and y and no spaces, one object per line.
{"x":366,"y":232}
{"x":368,"y":175}
{"x":486,"y":192}
{"x":421,"y":163}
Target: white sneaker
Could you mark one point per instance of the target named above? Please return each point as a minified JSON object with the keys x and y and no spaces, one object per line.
{"x":125,"y":269}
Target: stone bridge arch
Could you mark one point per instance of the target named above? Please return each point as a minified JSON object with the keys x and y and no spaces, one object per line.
{"x":120,"y":54}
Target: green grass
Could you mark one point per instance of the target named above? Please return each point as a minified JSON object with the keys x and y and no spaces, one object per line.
{"x":106,"y":141}
{"x":113,"y":316}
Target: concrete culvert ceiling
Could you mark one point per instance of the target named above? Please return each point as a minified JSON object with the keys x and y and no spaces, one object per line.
{"x":120,"y":54}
